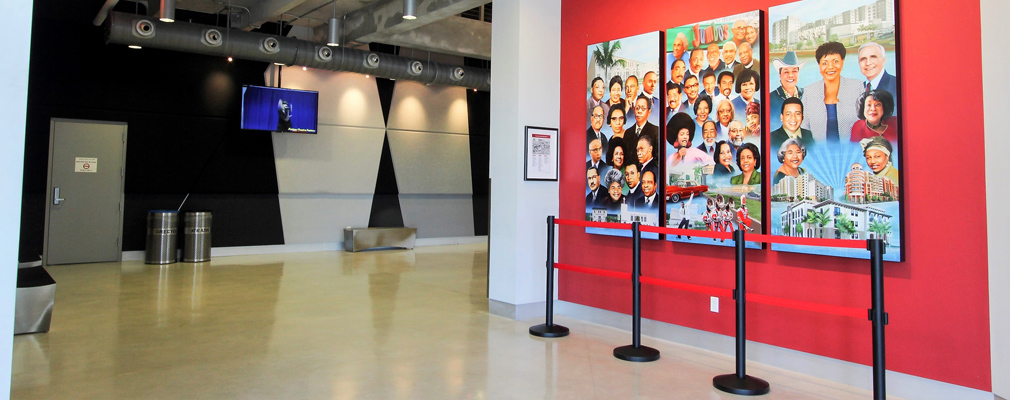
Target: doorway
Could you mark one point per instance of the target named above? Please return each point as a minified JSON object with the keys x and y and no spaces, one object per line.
{"x":84,"y":201}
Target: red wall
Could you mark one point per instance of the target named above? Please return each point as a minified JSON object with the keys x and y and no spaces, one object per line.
{"x":937,"y":299}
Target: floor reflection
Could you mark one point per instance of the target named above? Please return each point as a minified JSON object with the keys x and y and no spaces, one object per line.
{"x":394,"y":324}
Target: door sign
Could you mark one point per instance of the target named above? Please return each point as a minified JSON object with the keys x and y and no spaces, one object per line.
{"x":86,"y":164}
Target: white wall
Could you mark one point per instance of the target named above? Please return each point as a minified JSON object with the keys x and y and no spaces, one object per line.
{"x":16,"y":17}
{"x":995,"y":85}
{"x":526,"y":46}
{"x":326,"y":180}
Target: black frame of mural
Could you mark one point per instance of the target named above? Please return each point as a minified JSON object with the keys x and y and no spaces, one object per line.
{"x":876,"y":212}
{"x":873,"y":26}
{"x":637,"y":206}
{"x":554,"y":146}
{"x":721,"y":195}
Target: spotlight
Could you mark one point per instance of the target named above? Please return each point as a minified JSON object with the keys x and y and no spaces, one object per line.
{"x":143,"y":29}
{"x":415,"y":68}
{"x":334,"y":38}
{"x":212,"y":38}
{"x":475,"y":90}
{"x":366,"y":76}
{"x":135,"y":47}
{"x":229,"y":59}
{"x":167,"y":10}
{"x":372,"y":61}
{"x":409,"y":9}
{"x":304,"y":68}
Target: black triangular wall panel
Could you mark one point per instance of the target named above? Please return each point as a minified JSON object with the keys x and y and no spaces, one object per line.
{"x":386,"y":201}
{"x":479,"y":116}
{"x":385,"y":96}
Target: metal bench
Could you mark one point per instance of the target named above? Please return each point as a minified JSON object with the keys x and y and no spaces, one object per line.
{"x":358,"y":239}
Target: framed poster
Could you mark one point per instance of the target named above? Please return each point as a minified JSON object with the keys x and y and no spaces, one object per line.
{"x":541,"y":154}
{"x":714,"y":127}
{"x":835,"y":124}
{"x":622,"y":133}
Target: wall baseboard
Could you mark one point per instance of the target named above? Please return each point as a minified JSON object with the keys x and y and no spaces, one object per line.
{"x":516,"y":311}
{"x":138,"y":255}
{"x":450,"y":240}
{"x":844,"y":372}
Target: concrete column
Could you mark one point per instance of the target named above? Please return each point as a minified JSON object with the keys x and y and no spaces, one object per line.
{"x":526,"y":46}
{"x":17,"y":17}
{"x":995,"y":86}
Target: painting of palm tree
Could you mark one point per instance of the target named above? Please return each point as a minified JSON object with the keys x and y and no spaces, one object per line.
{"x":844,"y":226}
{"x":882,"y":229}
{"x":819,"y":218}
{"x":605,"y":56}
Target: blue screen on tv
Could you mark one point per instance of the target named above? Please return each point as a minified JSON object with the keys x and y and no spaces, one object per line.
{"x":279,"y":110}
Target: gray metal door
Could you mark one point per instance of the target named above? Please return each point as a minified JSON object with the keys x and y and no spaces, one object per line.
{"x":84,"y":207}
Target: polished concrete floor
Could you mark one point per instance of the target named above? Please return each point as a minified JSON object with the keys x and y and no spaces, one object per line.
{"x":391,"y":324}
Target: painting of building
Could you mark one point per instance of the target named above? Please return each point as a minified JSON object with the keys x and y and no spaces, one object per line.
{"x":628,"y":217}
{"x":863,"y":186}
{"x":805,"y":186}
{"x":874,"y":19}
{"x":831,"y":219}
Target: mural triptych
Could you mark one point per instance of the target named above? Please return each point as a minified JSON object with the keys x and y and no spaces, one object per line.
{"x":684,"y":146}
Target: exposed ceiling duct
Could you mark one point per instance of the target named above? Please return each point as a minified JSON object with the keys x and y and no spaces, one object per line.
{"x":139,"y":30}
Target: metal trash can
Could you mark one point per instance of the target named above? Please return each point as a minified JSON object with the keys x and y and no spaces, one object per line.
{"x":196,"y":236}
{"x":36,"y":294}
{"x":162,"y":236}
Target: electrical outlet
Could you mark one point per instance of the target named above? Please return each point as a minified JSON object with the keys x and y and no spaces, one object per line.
{"x":714,"y":306}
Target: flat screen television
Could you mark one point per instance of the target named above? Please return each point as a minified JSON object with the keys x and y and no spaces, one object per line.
{"x":279,"y":110}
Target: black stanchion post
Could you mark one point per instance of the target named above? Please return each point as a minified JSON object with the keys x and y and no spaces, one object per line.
{"x":636,"y":352}
{"x":740,"y":383}
{"x":877,"y":315}
{"x":549,"y":330}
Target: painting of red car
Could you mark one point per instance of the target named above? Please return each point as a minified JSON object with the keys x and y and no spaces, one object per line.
{"x":684,"y":188}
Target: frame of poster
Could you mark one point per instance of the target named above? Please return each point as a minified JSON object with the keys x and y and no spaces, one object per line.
{"x":622,"y":136}
{"x":541,"y":154}
{"x":714,"y":127}
{"x":835,"y":124}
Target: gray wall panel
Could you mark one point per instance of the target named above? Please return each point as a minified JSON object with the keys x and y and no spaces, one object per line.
{"x":345,"y":98}
{"x":438,"y":215}
{"x":322,"y":218}
{"x":434,"y":108}
{"x":336,"y":160}
{"x":431,"y":163}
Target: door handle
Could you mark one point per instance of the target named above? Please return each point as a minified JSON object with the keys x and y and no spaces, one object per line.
{"x":56,"y":196}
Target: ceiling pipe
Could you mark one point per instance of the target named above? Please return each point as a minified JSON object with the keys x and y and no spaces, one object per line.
{"x":104,"y":12}
{"x":138,"y":30}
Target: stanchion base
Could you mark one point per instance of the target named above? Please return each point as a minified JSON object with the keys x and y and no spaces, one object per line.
{"x":636,"y":354}
{"x":548,"y":331}
{"x":748,"y":386}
